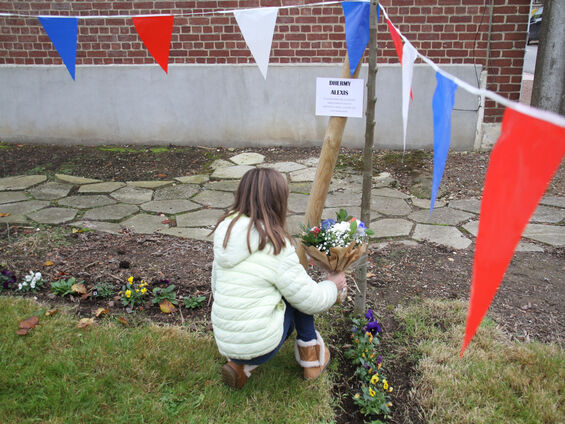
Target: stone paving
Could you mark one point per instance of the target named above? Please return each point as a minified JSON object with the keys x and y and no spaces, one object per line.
{"x":189,"y":206}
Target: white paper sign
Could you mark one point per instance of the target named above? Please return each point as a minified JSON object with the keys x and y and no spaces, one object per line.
{"x":339,"y":97}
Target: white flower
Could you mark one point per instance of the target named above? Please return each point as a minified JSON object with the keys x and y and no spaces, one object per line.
{"x":340,"y":227}
{"x":32,"y":284}
{"x":38,"y":275}
{"x":19,"y":286}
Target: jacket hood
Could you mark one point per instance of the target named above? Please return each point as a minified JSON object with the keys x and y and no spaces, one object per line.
{"x":237,"y":250}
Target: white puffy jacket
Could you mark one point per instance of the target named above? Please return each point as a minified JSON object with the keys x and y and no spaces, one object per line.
{"x":248,"y":310}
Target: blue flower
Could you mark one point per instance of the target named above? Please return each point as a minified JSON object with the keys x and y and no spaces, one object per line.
{"x":327,"y":223}
{"x":369,"y":315}
{"x":361,"y":224}
{"x":373,"y":327}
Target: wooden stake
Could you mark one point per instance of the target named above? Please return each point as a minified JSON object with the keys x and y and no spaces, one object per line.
{"x":326,"y":165}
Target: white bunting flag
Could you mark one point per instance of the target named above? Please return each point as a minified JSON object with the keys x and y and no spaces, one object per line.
{"x":257,"y":27}
{"x":409,"y":55}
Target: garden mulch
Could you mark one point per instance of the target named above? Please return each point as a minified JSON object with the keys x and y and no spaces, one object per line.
{"x":530,"y":304}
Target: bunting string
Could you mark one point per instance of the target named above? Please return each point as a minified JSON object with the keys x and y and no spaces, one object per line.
{"x":522,"y":163}
{"x":482,"y":92}
{"x":180,"y":15}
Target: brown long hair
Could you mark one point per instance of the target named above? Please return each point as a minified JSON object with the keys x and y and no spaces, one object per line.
{"x":262,"y":195}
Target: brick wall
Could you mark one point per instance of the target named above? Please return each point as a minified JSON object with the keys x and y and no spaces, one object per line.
{"x":447,"y":31}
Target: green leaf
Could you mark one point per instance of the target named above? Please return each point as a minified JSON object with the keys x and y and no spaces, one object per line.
{"x":342,"y":215}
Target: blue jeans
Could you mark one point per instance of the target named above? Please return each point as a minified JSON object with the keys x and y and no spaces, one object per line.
{"x":293,"y":319}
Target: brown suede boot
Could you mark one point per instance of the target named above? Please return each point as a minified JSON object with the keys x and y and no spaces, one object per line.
{"x":313,"y":356}
{"x":235,"y":375}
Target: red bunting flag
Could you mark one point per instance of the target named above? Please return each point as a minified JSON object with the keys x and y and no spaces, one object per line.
{"x":522,"y":163}
{"x":155,"y":32}
{"x":396,"y":39}
{"x":397,"y":45}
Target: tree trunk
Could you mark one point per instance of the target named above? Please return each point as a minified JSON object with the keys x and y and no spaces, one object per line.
{"x":361,"y":296}
{"x":549,"y":81}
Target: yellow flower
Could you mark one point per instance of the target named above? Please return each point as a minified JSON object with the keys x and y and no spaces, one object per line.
{"x":385,"y":384}
{"x":143,"y":291}
{"x":375,"y":379}
{"x":389,"y":404}
{"x":356,"y":396}
{"x":390,"y":389}
{"x":130,"y":279}
{"x":368,"y":334}
{"x":371,"y":392}
{"x":128,"y":293}
{"x":379,"y":365}
{"x":363,"y":355}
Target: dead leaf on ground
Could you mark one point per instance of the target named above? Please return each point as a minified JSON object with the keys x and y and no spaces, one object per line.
{"x":101,"y":311}
{"x":77,"y":230}
{"x":371,"y":274}
{"x":4,"y":214}
{"x":78,"y":288}
{"x":168,"y":222}
{"x":123,"y":321}
{"x":85,"y":322}
{"x":167,"y":307}
{"x":161,"y":175}
{"x":50,"y":312}
{"x":26,"y":325}
{"x":48,"y":263}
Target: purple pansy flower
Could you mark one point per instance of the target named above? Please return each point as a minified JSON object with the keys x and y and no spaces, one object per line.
{"x":369,"y":315}
{"x":373,"y":327}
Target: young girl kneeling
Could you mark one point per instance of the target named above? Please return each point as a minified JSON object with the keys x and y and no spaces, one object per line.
{"x":261,"y":292}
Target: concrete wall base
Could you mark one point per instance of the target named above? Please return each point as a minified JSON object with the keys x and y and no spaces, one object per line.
{"x":215,"y":105}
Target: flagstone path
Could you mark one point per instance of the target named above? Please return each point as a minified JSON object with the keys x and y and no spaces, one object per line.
{"x":188,"y":206}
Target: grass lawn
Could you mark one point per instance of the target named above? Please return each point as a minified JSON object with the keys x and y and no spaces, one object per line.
{"x":110,"y":373}
{"x":496,"y":381}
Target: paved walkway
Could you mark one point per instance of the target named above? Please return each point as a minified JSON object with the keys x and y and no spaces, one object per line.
{"x":189,"y":206}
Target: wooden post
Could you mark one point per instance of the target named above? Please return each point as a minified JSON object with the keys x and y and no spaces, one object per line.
{"x":326,"y":165}
{"x":361,"y":280}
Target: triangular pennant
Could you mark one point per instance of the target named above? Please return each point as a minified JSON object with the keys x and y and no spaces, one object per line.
{"x":258,"y":27}
{"x":62,"y":31}
{"x":409,"y":55}
{"x":522,"y":163}
{"x":396,"y":39}
{"x":155,"y":32}
{"x":442,"y":104}
{"x":356,"y":30}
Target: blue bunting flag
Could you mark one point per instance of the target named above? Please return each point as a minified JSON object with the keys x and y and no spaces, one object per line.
{"x":444,"y":98}
{"x":63,"y":34}
{"x":356,"y":30}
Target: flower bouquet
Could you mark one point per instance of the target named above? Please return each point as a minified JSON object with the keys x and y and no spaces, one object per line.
{"x":336,"y":244}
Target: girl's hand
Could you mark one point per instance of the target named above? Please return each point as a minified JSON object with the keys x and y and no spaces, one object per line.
{"x":338,"y":279}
